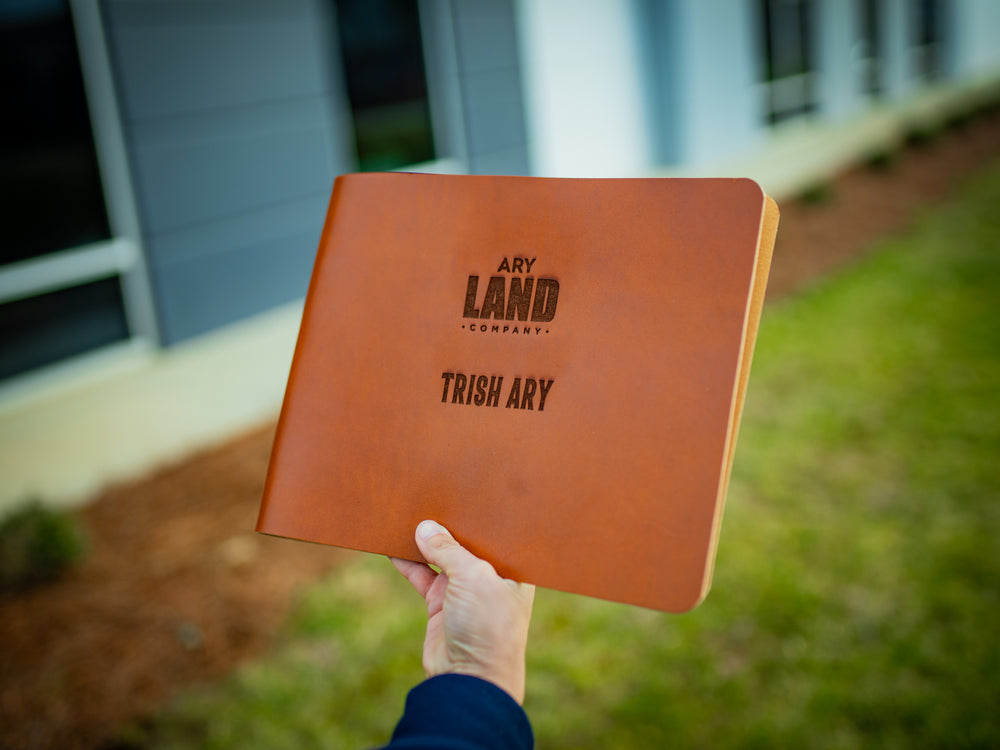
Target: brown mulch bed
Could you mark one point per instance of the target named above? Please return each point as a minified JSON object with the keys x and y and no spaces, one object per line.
{"x":177,"y":589}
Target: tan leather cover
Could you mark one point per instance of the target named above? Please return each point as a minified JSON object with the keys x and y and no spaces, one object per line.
{"x":554,"y":369}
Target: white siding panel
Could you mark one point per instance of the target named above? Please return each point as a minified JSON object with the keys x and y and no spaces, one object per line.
{"x":585,"y":88}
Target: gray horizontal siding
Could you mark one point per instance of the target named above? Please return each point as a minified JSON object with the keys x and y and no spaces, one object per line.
{"x":490,"y":84}
{"x":487,"y":37}
{"x":236,"y":126}
{"x":269,"y":224}
{"x":195,"y":169}
{"x":511,"y":160}
{"x":215,"y":65}
{"x":494,"y":112}
{"x":273,"y":271}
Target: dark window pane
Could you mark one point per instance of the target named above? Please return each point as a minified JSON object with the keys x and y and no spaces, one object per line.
{"x":383,"y":64}
{"x":787,"y":57}
{"x":928,"y":38}
{"x":869,"y":55}
{"x":789,"y":38}
{"x":50,"y":188}
{"x":928,"y":16}
{"x":44,"y":329}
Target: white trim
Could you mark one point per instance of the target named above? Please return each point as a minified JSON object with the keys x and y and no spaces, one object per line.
{"x":791,"y":94}
{"x":438,"y":166}
{"x":800,"y":153}
{"x":54,"y":271}
{"x":73,"y":375}
{"x":112,"y":156}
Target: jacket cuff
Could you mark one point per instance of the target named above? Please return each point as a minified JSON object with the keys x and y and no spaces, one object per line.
{"x":462,"y":712}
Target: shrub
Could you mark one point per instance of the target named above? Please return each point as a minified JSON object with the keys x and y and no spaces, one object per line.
{"x":36,"y":545}
{"x":818,"y":194}
{"x":882,"y":160}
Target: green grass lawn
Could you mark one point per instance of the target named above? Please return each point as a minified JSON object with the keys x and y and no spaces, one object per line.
{"x":856,"y":600}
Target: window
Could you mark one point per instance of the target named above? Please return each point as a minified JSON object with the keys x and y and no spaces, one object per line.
{"x":383,"y":63}
{"x":41,"y":329}
{"x":927,"y":39}
{"x":50,"y":188}
{"x":60,"y":292}
{"x":868,"y":50}
{"x":789,"y":85}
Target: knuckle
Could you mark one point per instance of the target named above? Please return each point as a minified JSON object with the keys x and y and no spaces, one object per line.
{"x":481,"y":570}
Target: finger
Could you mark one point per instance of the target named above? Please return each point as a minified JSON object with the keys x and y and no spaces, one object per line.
{"x":419,"y":575}
{"x":439,"y":547}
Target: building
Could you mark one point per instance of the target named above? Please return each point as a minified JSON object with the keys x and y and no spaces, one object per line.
{"x":166,"y":174}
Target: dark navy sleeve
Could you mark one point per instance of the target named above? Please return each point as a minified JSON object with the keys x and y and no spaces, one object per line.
{"x":460,"y":712}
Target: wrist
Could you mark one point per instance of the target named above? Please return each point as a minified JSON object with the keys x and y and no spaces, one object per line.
{"x":510,"y":678}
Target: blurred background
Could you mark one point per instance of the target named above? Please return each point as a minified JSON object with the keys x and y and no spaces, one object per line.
{"x":165,"y":167}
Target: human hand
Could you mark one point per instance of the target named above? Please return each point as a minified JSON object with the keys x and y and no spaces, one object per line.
{"x":477,"y":621}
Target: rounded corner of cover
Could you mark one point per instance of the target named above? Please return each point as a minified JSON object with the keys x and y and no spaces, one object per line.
{"x":751,"y":186}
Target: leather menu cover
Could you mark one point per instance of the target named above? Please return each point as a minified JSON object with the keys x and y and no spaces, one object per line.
{"x":552,"y":368}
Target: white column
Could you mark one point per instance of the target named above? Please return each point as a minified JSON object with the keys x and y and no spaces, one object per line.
{"x":973,"y":39}
{"x":835,"y":36}
{"x":897,"y":41}
{"x":720,"y":58}
{"x":585,"y":102}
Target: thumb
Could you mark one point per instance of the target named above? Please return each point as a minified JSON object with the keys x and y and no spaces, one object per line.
{"x":439,"y":547}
